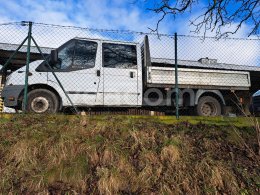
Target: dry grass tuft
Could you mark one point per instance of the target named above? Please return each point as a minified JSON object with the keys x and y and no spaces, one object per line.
{"x":223,"y":180}
{"x":23,"y":153}
{"x":108,"y":157}
{"x":110,"y":182}
{"x":170,"y":154}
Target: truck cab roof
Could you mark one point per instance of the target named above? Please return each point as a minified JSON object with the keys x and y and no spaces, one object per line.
{"x":107,"y":40}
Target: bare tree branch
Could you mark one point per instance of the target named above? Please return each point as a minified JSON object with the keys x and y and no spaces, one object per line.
{"x":218,"y":15}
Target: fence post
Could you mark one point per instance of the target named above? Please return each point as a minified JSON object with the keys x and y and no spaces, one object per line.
{"x":176,"y":77}
{"x":53,"y":73}
{"x":25,"y":100}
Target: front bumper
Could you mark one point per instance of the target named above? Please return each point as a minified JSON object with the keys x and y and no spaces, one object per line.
{"x":10,"y":94}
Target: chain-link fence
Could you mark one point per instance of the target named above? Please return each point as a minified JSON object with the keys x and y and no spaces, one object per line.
{"x":52,"y":68}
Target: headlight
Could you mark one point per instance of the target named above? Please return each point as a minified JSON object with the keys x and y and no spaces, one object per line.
{"x":7,"y":80}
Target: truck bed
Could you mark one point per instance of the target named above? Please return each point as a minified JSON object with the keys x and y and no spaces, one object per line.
{"x":164,"y":62}
{"x":198,"y":78}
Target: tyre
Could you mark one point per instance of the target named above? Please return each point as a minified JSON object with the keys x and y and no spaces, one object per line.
{"x":208,"y":106}
{"x":42,"y":101}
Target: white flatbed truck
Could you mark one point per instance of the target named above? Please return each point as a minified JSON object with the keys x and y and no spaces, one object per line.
{"x":101,"y":73}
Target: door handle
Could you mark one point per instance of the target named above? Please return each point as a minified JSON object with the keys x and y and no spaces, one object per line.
{"x":98,"y":73}
{"x":131,"y":74}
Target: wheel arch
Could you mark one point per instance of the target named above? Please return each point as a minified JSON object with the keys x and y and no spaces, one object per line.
{"x":213,"y":93}
{"x":42,"y":86}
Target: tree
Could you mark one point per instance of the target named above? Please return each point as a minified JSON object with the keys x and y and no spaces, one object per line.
{"x":217,"y":16}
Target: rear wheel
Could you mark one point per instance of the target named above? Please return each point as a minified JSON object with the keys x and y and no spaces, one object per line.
{"x":42,"y":101}
{"x":208,"y":106}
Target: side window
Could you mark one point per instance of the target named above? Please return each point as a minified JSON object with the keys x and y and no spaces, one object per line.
{"x":85,"y":54}
{"x":77,"y":54}
{"x":119,"y":56}
{"x":65,"y":56}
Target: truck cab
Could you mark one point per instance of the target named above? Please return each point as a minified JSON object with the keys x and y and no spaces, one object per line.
{"x":92,"y":72}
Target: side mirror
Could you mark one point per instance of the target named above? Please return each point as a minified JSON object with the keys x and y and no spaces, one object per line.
{"x":54,"y":57}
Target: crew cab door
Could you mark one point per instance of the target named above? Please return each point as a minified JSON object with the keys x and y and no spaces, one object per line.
{"x":78,"y":71}
{"x":120,"y":74}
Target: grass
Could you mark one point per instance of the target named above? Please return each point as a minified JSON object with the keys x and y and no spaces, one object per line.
{"x":59,"y":154}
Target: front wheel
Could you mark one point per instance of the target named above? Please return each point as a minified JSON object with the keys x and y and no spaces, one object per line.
{"x":42,"y":101}
{"x":208,"y":106}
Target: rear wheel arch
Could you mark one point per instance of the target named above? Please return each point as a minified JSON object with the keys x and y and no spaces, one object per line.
{"x":208,"y":106}
{"x":213,"y":93}
{"x":209,"y":101}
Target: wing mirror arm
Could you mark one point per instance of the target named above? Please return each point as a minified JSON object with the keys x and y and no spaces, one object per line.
{"x":54,"y":57}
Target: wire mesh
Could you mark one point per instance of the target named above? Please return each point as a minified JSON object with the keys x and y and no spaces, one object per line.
{"x":113,"y":71}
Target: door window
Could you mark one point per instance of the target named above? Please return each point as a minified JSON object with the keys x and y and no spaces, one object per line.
{"x":119,"y":56}
{"x":77,"y":54}
{"x":85,"y":54}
